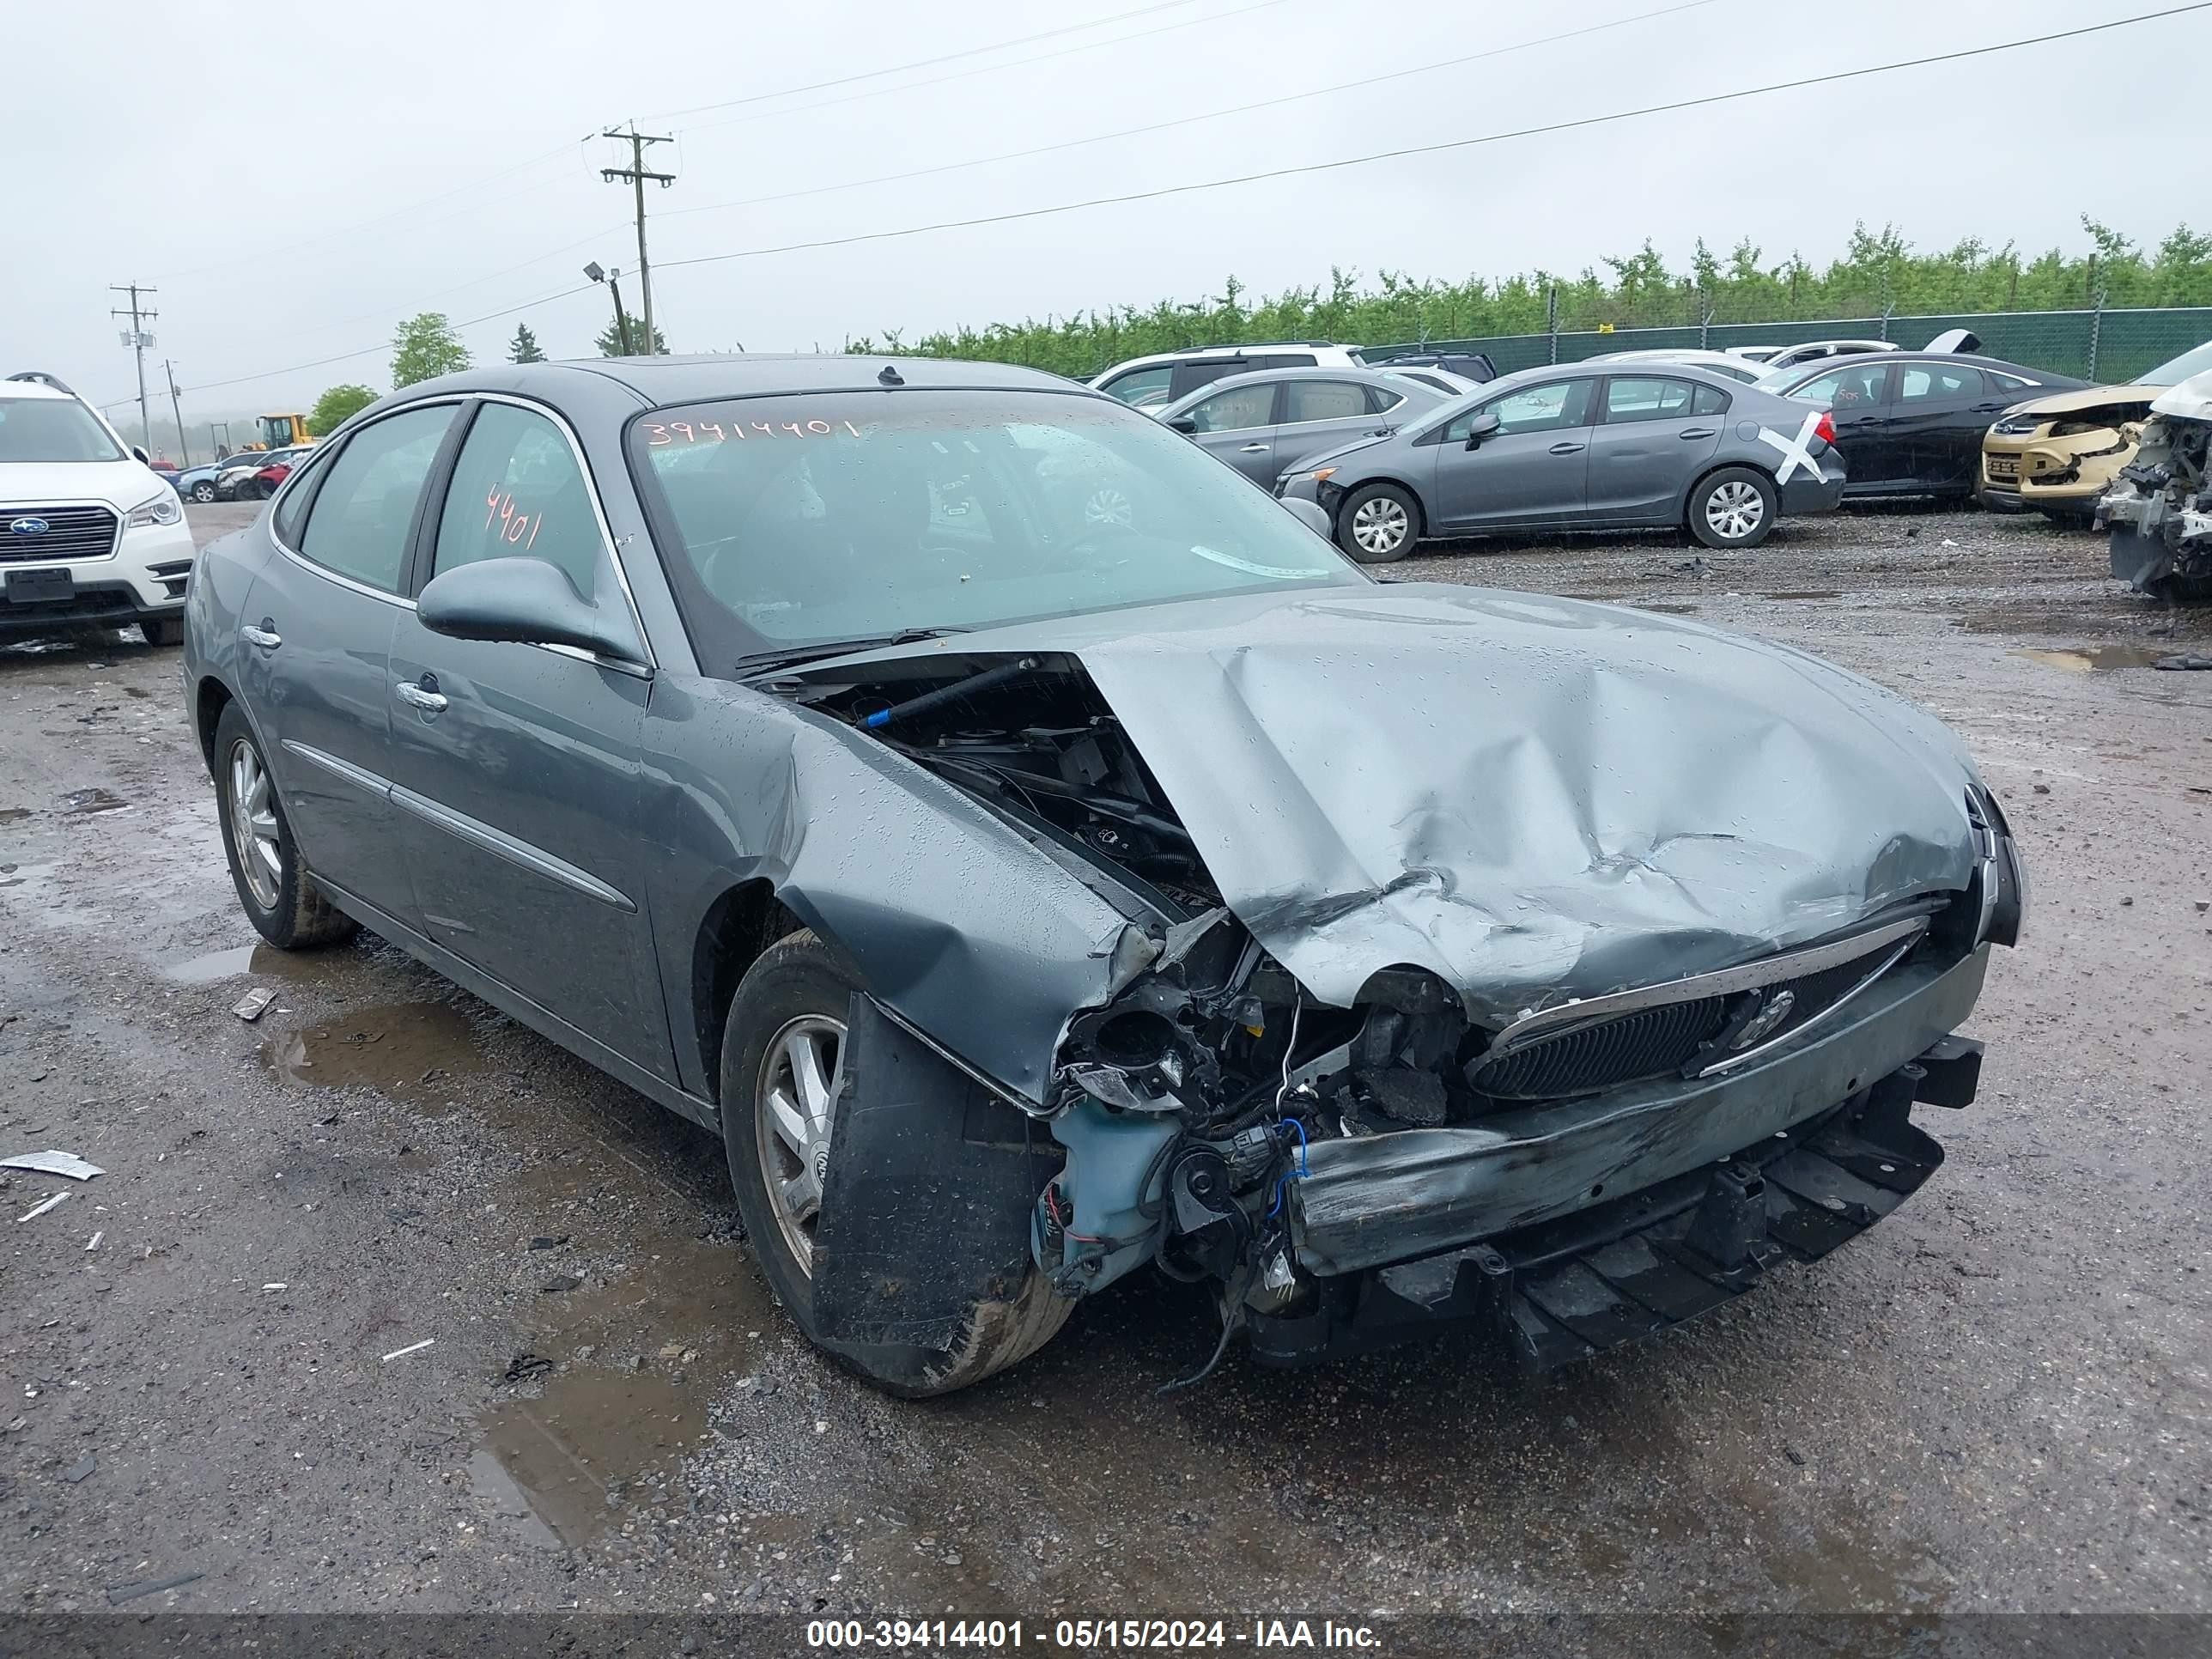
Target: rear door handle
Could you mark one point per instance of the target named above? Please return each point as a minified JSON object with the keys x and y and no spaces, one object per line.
{"x":265,"y":636}
{"x":422,"y":693}
{"x":1567,"y":449}
{"x":1255,"y":449}
{"x":1696,"y":432}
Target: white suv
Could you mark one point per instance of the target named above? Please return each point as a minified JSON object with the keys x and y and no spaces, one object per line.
{"x":1151,"y":383}
{"x":88,"y":532}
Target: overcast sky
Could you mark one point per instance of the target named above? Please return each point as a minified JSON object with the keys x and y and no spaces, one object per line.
{"x":272,"y":170}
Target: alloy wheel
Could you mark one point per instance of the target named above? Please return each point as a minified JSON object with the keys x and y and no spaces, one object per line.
{"x":1107,"y":505}
{"x":799,"y":1080}
{"x":253,"y":826}
{"x":1380,"y":526}
{"x":1735,"y":510}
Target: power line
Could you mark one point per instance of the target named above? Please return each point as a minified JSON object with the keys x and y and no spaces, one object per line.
{"x":991,"y":68}
{"x":1440,"y":148}
{"x":931,"y":62}
{"x":1188,"y":121}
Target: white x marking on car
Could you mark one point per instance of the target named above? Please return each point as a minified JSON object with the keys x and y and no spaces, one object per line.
{"x":1795,"y":452}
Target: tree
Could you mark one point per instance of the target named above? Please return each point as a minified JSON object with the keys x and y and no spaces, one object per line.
{"x":336,"y":406}
{"x":610,"y":343}
{"x":523,"y":347}
{"x":426,"y":345}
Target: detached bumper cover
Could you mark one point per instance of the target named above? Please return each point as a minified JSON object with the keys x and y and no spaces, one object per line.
{"x":1376,"y":1199}
{"x":1564,"y":1290}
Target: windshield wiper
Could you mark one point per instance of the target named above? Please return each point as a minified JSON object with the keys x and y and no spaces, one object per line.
{"x":762,"y":662}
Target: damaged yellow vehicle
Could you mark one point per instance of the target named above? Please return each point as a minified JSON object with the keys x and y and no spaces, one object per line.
{"x":2058,"y":455}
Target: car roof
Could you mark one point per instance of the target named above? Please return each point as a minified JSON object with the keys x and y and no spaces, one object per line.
{"x":654,"y":382}
{"x":35,"y":389}
{"x":1379,"y":377}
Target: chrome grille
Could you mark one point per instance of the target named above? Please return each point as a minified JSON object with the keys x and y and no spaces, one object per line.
{"x":1670,"y":1038}
{"x":71,"y":533}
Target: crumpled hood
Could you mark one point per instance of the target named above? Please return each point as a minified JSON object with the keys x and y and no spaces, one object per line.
{"x":1536,"y":799}
{"x":2059,"y":403}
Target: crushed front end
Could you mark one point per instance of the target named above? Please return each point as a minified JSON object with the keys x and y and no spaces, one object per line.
{"x":2160,"y":509}
{"x":1347,"y":1171}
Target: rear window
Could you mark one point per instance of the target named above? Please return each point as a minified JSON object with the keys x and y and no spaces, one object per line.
{"x":52,"y":429}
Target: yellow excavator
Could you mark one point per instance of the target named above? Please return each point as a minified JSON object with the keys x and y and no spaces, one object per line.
{"x":281,"y":432}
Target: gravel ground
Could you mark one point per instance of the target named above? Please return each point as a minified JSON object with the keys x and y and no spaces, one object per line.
{"x":1998,"y":1400}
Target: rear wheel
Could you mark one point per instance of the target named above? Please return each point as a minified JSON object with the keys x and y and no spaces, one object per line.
{"x":280,"y":898}
{"x":782,"y":1068}
{"x":1378,"y":524}
{"x":1733,"y":507}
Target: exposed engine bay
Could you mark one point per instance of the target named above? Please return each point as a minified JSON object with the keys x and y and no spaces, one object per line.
{"x":1211,"y":1112}
{"x":2160,"y":508}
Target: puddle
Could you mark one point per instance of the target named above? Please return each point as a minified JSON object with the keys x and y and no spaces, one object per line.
{"x":1808,"y":593}
{"x":409,"y":1049}
{"x":237,"y":961}
{"x":93,"y":800}
{"x":664,"y":1339}
{"x":14,"y":814}
{"x":2097,"y":659}
{"x":593,"y":1429}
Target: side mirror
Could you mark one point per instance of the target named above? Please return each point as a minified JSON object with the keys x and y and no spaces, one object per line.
{"x":1186,"y":424}
{"x":1485,"y":426}
{"x":524,"y":601}
{"x":1311,"y":515}
{"x":138,"y":453}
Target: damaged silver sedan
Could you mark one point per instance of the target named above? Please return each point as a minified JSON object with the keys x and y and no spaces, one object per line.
{"x":2160,"y":507}
{"x":1041,"y":857}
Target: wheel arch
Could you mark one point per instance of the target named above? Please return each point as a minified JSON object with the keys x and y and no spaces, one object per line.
{"x":736,"y":928}
{"x":210,"y":699}
{"x":1717,"y":464}
{"x":1420,"y":500}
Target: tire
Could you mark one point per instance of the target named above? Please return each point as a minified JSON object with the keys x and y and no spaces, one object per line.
{"x":1734,"y":507}
{"x":162,"y":630}
{"x":1378,"y":524}
{"x":283,"y":904}
{"x":794,"y":998}
{"x":203,"y":491}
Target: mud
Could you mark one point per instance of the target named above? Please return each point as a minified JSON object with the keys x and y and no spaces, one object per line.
{"x":1994,"y":1400}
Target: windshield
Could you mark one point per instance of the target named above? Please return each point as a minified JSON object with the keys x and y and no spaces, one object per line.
{"x":847,"y":516}
{"x":2187,"y":366}
{"x":52,"y":429}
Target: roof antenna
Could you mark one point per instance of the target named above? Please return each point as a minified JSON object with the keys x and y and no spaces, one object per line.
{"x":890,"y":376}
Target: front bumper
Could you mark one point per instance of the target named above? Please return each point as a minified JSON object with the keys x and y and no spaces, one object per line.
{"x":1560,"y":1291}
{"x":2049,"y":474}
{"x":110,"y":603}
{"x":146,"y":575}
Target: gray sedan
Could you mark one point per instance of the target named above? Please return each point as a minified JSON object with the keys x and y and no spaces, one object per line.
{"x":1028,"y":893}
{"x":1587,"y":446}
{"x":1267,"y":422}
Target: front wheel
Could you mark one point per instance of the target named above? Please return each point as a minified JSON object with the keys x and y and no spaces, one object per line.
{"x":162,"y":630}
{"x":1734,"y":508}
{"x":783,"y":1055}
{"x":1378,"y":524}
{"x":203,"y":491}
{"x":280,"y":898}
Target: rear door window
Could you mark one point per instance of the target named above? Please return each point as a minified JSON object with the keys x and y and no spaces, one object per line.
{"x":1710,"y":400}
{"x":1323,"y":400}
{"x":358,"y":526}
{"x":1637,"y":399}
{"x":518,"y":493}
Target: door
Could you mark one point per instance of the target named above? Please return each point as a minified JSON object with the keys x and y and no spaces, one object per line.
{"x":514,"y":767}
{"x":319,"y":619}
{"x":1856,"y":395}
{"x":1653,"y":437}
{"x":1318,"y":414}
{"x":1535,"y":468}
{"x":1238,"y":426}
{"x":1941,"y":412}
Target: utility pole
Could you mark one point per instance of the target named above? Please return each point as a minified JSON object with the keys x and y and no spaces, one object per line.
{"x":138,"y":342}
{"x":184,"y":444}
{"x":636,"y":175}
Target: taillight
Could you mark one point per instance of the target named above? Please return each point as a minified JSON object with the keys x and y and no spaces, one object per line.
{"x":1825,"y":428}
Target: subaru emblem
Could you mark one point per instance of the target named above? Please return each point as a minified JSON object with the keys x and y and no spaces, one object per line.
{"x":26,"y":526}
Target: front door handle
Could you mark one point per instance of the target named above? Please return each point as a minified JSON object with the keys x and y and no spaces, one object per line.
{"x":265,"y":636}
{"x":423,"y":694}
{"x":1253,"y":449}
{"x":1696,"y":432}
{"x":1566,"y":449}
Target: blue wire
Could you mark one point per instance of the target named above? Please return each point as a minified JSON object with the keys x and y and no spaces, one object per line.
{"x":1305,"y":1168}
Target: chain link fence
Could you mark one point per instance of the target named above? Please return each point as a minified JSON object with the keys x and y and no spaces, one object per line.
{"x":2096,"y":344}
